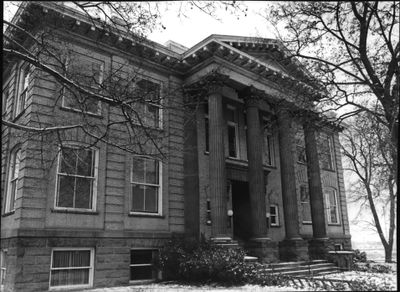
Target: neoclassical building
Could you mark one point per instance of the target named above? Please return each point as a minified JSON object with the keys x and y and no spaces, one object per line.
{"x":248,"y":161}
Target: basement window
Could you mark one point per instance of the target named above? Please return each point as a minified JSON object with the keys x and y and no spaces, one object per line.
{"x":142,"y":264}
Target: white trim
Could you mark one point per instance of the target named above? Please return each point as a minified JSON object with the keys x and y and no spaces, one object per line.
{"x":327,"y":192}
{"x":12,"y":163}
{"x":77,"y":145}
{"x":91,"y":268}
{"x":159,"y":185}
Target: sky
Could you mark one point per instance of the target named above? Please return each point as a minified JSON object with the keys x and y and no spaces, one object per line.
{"x":195,"y":26}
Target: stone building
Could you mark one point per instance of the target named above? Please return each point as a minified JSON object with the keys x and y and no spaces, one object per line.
{"x":249,"y":164}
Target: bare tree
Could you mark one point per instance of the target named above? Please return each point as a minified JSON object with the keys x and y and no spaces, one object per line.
{"x":42,"y":42}
{"x":353,"y":51}
{"x":367,"y":149}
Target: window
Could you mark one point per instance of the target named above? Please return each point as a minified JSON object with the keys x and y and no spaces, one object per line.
{"x":305,"y":204}
{"x":300,"y":146}
{"x":268,"y":146}
{"x":3,"y":269}
{"x":13,"y":174}
{"x":274,"y":215}
{"x":24,"y":78}
{"x":77,"y":178}
{"x":5,"y":96}
{"x":233,"y":143}
{"x":147,"y":102}
{"x":145,"y":183}
{"x":88,"y":74}
{"x":338,"y":246}
{"x":207,"y":127}
{"x":326,"y":153}
{"x":142,"y":264}
{"x":332,"y":206}
{"x":72,"y":268}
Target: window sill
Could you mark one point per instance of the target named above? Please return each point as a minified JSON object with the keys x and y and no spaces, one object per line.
{"x":146,"y":215}
{"x":71,"y":287}
{"x":327,"y":169}
{"x":334,"y":224}
{"x":8,"y":213}
{"x":68,"y":109}
{"x":74,"y":211}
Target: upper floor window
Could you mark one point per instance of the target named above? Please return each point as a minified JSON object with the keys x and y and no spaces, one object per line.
{"x":77,"y":178}
{"x":147,"y":103}
{"x":268,"y":147}
{"x":23,"y":85}
{"x":88,"y":73}
{"x":146,"y":186}
{"x":5,"y":97}
{"x":13,"y":174}
{"x":72,"y":268}
{"x":305,"y":204}
{"x":3,"y":269}
{"x":332,"y":209}
{"x":300,"y":146}
{"x":233,"y":137}
{"x":326,"y":152}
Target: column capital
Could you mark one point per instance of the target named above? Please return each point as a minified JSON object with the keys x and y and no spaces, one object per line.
{"x":251,"y":96}
{"x":214,"y":82}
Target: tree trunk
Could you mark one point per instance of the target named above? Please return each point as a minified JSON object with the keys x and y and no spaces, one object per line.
{"x":392,"y":226}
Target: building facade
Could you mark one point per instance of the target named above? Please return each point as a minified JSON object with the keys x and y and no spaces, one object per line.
{"x":247,"y":162}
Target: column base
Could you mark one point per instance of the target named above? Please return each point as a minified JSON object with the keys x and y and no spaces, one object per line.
{"x":264,"y":249}
{"x":293,"y":250}
{"x":318,"y":248}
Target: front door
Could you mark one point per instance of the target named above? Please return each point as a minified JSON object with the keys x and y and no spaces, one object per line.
{"x":241,"y":210}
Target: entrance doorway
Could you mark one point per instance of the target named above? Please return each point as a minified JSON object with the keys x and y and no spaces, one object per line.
{"x":241,"y":210}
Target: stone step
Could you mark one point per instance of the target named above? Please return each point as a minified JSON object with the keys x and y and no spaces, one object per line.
{"x":296,"y":264}
{"x":250,"y":259}
{"x":300,"y":267}
{"x":307,"y":272}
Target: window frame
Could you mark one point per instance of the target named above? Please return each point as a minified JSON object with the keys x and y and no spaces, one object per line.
{"x":160,"y":124}
{"x":276,"y":215}
{"x":269,"y":135}
{"x":95,"y":177}
{"x":303,"y":202}
{"x":22,"y":89}
{"x":91,"y":268}
{"x":235,"y":125}
{"x":327,"y":192}
{"x":159,"y":193}
{"x":154,"y":252}
{"x":92,"y":61}
{"x":329,"y":153}
{"x":12,"y":163}
{"x":3,"y":267}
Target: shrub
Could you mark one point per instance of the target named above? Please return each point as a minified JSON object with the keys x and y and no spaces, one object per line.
{"x":359,"y":256}
{"x":375,"y":268}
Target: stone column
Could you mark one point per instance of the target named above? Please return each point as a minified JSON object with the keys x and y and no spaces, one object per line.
{"x":219,"y":230}
{"x":259,"y":245}
{"x":318,"y":245}
{"x":293,"y":247}
{"x":255,"y":170}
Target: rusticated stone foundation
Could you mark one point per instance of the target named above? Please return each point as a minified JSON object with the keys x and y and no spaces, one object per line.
{"x":318,"y":249}
{"x":266,"y":250}
{"x":293,"y":250}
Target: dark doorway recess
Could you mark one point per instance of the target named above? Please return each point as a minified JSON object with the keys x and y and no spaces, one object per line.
{"x":241,"y":210}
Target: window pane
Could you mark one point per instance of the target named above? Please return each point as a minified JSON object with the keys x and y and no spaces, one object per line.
{"x":231,"y":115}
{"x":68,"y":160}
{"x":232,"y":141}
{"x":151,"y":171}
{"x":83,"y":193}
{"x":142,"y":273}
{"x":305,"y":204}
{"x":141,"y":257}
{"x":13,"y":191}
{"x":151,"y":199}
{"x":138,"y":198}
{"x":69,"y":277}
{"x":152,"y":116}
{"x":80,"y":258}
{"x":17,"y":159}
{"x":61,"y":259}
{"x":65,"y":191}
{"x":85,"y":162}
{"x":137,"y":170}
{"x":333,"y":214}
{"x":267,"y":149}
